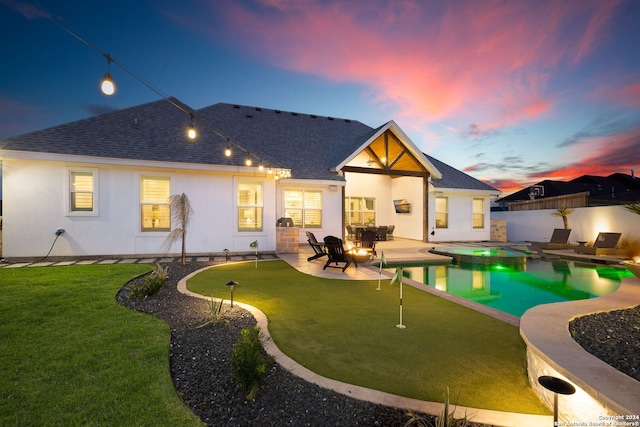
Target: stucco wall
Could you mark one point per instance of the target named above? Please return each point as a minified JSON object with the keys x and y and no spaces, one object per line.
{"x":34,"y":209}
{"x":585,"y":223}
{"x":460,"y":218}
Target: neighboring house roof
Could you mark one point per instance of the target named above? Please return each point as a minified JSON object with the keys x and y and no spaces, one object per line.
{"x":311,"y":146}
{"x":452,"y":178}
{"x":613,"y":188}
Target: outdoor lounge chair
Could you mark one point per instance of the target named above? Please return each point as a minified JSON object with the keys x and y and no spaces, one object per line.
{"x":336,"y":253}
{"x":368,"y":240}
{"x":605,"y":244}
{"x":381,"y":233}
{"x":559,"y":240}
{"x":317,"y":247}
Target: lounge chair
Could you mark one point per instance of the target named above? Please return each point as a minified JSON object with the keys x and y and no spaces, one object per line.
{"x":317,"y":247}
{"x":605,"y":244}
{"x":336,"y":253}
{"x":559,"y":240}
{"x":368,"y":240}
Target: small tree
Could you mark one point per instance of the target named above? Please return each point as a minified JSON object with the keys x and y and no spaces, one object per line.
{"x":181,"y":212}
{"x":563,"y":212}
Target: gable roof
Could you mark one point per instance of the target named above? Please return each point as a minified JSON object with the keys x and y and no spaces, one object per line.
{"x":452,"y":178}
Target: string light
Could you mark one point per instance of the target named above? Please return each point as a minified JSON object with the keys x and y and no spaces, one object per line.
{"x":191,"y":133}
{"x":108,"y":87}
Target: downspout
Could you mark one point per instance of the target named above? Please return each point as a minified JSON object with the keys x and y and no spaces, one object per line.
{"x":425,"y":204}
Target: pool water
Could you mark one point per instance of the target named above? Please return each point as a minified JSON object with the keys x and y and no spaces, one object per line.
{"x":515,"y":289}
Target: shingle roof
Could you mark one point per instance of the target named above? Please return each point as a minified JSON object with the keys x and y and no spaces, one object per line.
{"x":307,"y":144}
{"x":453,"y":178}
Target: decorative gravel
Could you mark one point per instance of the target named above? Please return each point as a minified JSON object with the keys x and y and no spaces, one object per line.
{"x":613,"y":337}
{"x":201,"y":370}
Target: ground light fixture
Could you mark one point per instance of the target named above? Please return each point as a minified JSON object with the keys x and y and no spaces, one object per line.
{"x":107,"y":86}
{"x":231,"y":284}
{"x":557,"y":386}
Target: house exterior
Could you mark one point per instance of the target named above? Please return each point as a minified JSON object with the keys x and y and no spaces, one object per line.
{"x":106,"y":180}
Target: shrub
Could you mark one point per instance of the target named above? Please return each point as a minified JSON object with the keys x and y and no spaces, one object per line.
{"x":215,"y":312}
{"x":630,"y":247}
{"x":249,"y":362}
{"x":152,"y":283}
{"x":445,"y":419}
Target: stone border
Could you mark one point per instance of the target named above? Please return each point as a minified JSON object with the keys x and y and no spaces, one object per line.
{"x":601,"y":389}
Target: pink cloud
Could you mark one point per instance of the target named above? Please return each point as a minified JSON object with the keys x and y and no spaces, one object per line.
{"x":27,"y":10}
{"x":17,"y":117}
{"x":428,"y":60}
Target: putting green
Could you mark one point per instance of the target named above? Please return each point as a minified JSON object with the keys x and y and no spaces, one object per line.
{"x":346,"y":330}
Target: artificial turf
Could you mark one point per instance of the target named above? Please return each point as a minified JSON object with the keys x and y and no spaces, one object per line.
{"x":346,"y":330}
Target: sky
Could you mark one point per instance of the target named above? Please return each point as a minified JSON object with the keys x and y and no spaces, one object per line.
{"x":511,"y":92}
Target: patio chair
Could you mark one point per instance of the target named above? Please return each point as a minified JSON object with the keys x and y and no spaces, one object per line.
{"x":351,"y":232}
{"x":368,"y":240}
{"x":390,"y":232}
{"x":336,"y":253}
{"x":381,"y":233}
{"x":605,"y":244}
{"x":559,"y":240}
{"x":317,"y":247}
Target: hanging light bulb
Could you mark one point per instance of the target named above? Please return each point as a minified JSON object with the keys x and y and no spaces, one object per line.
{"x":191,"y":133}
{"x":227,"y":151}
{"x":107,"y":86}
{"x":261,"y":167}
{"x":248,"y":161}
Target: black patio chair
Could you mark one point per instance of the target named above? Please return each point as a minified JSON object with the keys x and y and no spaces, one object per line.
{"x":368,"y":240}
{"x":317,"y":247}
{"x":390,"y":232}
{"x":336,"y":253}
{"x":381,"y":233}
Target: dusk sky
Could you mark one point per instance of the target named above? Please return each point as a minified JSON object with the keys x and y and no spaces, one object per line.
{"x":510,"y":92}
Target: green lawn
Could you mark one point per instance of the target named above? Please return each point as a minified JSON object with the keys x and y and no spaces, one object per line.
{"x":346,"y":330}
{"x":71,"y":355}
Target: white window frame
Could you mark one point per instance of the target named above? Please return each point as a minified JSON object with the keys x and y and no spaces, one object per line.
{"x":301,"y":219}
{"x":364,"y":213}
{"x":68,"y":190}
{"x":259,"y":206}
{"x":141,"y":227}
{"x":475,"y":214}
{"x":445,"y":212}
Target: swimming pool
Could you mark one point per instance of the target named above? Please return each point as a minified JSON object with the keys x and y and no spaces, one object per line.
{"x":515,"y":289}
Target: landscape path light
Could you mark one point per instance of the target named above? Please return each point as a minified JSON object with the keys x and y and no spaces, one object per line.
{"x":557,"y":386}
{"x":231,"y":284}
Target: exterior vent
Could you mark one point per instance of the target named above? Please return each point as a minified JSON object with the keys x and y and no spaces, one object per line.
{"x":330,"y":118}
{"x":294,"y":114}
{"x":236,"y":106}
{"x":248,"y":116}
{"x":347,"y":121}
{"x":258,"y":109}
{"x":313,"y":116}
{"x":278,"y":112}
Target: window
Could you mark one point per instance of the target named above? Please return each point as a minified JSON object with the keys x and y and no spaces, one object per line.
{"x":304,"y":207}
{"x":360,"y":210}
{"x":82,"y":189}
{"x":442,"y":212}
{"x":155,"y":209}
{"x":478,"y":213}
{"x":249,"y":206}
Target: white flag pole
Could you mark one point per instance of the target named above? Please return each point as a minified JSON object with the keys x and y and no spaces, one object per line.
{"x":256,"y":254}
{"x":400,"y":325}
{"x":382,"y":261}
